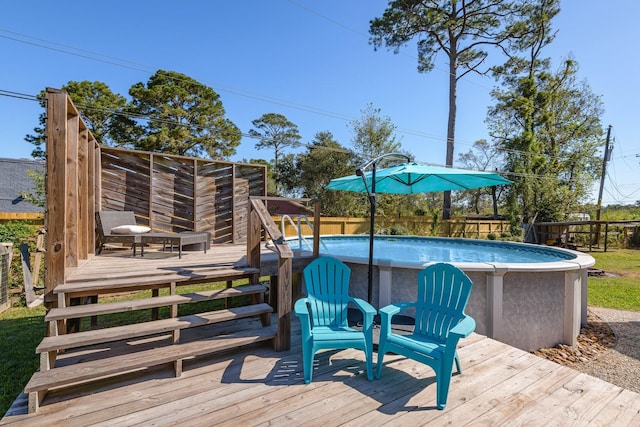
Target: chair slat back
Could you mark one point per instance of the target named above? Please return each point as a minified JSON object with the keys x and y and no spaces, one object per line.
{"x":327,"y":283}
{"x":443,"y":293}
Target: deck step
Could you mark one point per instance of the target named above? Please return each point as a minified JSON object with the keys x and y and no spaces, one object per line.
{"x":77,"y":311}
{"x":183,"y":275}
{"x":81,"y":339}
{"x":82,"y":372}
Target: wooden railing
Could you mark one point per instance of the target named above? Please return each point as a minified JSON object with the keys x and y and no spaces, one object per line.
{"x":260,"y":218}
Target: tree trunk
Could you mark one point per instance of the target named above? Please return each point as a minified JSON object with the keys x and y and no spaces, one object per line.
{"x":451,"y":124}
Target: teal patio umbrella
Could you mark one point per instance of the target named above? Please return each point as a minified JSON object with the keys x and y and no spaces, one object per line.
{"x":409,"y":178}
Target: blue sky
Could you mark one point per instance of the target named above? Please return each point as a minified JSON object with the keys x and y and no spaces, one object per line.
{"x":309,"y":60}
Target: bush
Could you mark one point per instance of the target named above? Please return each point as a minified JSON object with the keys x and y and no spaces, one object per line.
{"x":18,"y":232}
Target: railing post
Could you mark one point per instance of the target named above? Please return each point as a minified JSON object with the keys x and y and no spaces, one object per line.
{"x":316,"y":228}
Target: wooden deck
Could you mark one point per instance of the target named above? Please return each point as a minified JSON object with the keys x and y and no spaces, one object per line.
{"x":500,"y":385}
{"x":256,"y":385}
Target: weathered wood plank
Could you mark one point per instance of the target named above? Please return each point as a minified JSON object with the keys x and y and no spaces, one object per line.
{"x":146,"y":303}
{"x":179,"y":276}
{"x":117,"y":333}
{"x":93,"y":370}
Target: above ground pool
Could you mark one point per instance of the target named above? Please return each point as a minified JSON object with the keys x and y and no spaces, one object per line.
{"x":528,"y":296}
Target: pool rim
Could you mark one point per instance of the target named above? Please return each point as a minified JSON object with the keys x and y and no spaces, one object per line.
{"x":580,"y":261}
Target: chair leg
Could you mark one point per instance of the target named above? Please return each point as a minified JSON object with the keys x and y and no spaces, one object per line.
{"x":368,"y":353}
{"x":458,"y":367}
{"x":443,"y":380}
{"x":379,"y":362}
{"x":307,"y":364}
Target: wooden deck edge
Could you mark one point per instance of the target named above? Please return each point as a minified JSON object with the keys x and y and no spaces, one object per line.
{"x":87,"y":310}
{"x":81,"y":339}
{"x":181,"y":276}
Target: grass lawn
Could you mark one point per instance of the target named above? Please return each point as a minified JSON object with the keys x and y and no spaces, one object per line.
{"x":622,"y":290}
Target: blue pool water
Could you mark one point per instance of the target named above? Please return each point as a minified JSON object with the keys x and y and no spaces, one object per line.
{"x":412,"y":249}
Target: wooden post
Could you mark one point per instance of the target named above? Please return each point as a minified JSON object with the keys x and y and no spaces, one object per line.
{"x":56,"y":188}
{"x":283,"y":337}
{"x":316,"y":228}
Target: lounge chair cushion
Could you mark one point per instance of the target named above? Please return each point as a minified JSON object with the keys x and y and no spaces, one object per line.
{"x":130,"y":229}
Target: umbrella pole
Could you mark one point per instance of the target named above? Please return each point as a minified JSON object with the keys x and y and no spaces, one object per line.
{"x":372,"y":202}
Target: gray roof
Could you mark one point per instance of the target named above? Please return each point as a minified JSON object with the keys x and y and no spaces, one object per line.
{"x":15,"y":179}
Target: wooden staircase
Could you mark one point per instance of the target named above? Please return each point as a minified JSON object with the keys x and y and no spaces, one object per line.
{"x":71,"y":358}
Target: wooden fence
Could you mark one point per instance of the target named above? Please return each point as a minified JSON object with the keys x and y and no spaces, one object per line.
{"x":587,"y":234}
{"x":421,"y":226}
{"x":174,"y":193}
{"x":34,"y":218}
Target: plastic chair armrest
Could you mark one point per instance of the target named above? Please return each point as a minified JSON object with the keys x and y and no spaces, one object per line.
{"x":464,"y":328}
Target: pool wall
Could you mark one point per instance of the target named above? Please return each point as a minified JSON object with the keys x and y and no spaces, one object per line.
{"x":529,"y":306}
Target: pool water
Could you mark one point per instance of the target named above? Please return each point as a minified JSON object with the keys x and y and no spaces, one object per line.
{"x":432,"y":249}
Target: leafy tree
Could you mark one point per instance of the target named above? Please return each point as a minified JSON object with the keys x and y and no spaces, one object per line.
{"x":324,"y":160}
{"x":277,"y":132}
{"x":485,"y":157}
{"x":184,"y":116}
{"x":461,"y":29}
{"x":548,"y":125}
{"x":289,"y":176}
{"x":100,"y":108}
{"x":373,"y":135}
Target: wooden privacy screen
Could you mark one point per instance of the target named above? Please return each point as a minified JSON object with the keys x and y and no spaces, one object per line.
{"x":168,"y":193}
{"x":174,"y":193}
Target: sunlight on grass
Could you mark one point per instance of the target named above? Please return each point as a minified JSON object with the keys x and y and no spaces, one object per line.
{"x":621,"y":293}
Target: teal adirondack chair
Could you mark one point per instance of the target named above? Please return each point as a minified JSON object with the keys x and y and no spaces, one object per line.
{"x":323,"y":314}
{"x":443,"y":293}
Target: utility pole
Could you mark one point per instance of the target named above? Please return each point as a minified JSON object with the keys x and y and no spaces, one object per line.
{"x":605,"y":158}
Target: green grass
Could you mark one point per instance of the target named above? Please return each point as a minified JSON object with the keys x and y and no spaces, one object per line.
{"x":620,"y":292}
{"x":21,"y":330}
{"x":618,"y":260}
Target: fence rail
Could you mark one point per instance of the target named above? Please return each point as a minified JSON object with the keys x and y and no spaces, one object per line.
{"x":468,"y":228}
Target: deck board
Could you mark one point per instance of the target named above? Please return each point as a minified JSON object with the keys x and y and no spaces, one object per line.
{"x":500,"y":385}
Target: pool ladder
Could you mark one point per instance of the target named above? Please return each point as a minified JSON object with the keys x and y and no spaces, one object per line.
{"x":298,"y":228}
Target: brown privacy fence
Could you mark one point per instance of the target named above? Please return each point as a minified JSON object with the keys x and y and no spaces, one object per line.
{"x":174,"y":193}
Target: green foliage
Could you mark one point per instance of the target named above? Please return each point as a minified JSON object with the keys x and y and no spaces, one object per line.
{"x":277,"y":132}
{"x":324,"y":160}
{"x":373,"y":135}
{"x":38,"y":197}
{"x":21,"y":330}
{"x":16,"y":232}
{"x":547,"y":124}
{"x":102,"y":111}
{"x":185,"y":117}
